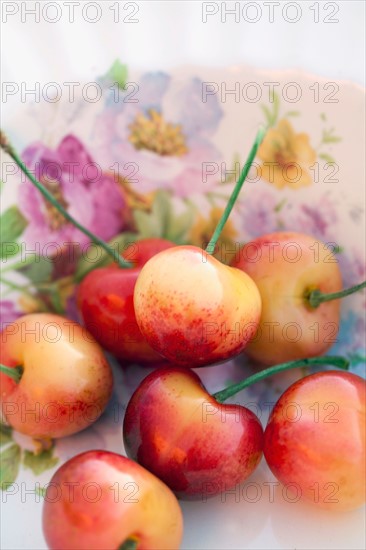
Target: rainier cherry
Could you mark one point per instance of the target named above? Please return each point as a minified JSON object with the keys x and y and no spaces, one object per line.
{"x":100,"y":500}
{"x":58,"y":381}
{"x":105,"y":300}
{"x":191,"y":308}
{"x":315,"y":439}
{"x":196,"y":445}
{"x":296,"y":276}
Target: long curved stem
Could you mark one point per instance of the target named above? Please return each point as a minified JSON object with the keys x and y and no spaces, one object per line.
{"x":316,"y":297}
{"x":49,"y":197}
{"x":239,"y":184}
{"x":336,"y":361}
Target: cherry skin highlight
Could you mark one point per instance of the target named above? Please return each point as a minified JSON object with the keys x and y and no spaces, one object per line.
{"x":99,"y":500}
{"x":315,"y":439}
{"x":196,"y":445}
{"x":66,"y":381}
{"x":286,"y":266}
{"x":105,"y":300}
{"x":194,"y":310}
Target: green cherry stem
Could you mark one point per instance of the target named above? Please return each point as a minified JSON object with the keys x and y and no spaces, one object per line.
{"x":13,"y":372}
{"x":129,"y":544}
{"x":316,"y":297}
{"x":5,"y":145}
{"x":335,"y":361}
{"x":239,"y":184}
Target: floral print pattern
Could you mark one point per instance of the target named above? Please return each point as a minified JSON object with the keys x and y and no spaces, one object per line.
{"x":286,"y":157}
{"x":163,"y":131}
{"x":79,"y":184}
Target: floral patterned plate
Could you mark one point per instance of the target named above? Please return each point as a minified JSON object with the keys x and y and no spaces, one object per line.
{"x":156,"y":154}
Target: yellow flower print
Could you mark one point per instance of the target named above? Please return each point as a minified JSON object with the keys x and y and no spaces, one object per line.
{"x":153,"y":133}
{"x":202,"y":232}
{"x":286,"y":157}
{"x":30,"y":304}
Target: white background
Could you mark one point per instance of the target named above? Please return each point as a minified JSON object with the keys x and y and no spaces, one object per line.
{"x":171,"y":33}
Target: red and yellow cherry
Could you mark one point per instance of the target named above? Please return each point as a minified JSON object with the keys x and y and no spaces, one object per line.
{"x":100,"y":500}
{"x":65,"y":381}
{"x":194,"y":310}
{"x":105,"y":300}
{"x":286,"y":267}
{"x":179,"y":432}
{"x":315,"y":439}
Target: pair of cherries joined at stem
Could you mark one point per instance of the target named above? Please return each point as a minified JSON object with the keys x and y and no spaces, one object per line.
{"x":200,"y":446}
{"x":192,"y":292}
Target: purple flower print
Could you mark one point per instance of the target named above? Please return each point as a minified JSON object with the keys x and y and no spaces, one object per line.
{"x":317,"y":219}
{"x":93,"y":198}
{"x":258,"y":213}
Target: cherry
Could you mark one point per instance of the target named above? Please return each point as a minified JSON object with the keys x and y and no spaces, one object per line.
{"x":105,"y":301}
{"x":100,"y":500}
{"x":55,"y":380}
{"x":315,"y":439}
{"x":299,"y":281}
{"x":179,"y":432}
{"x":193,"y":309}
